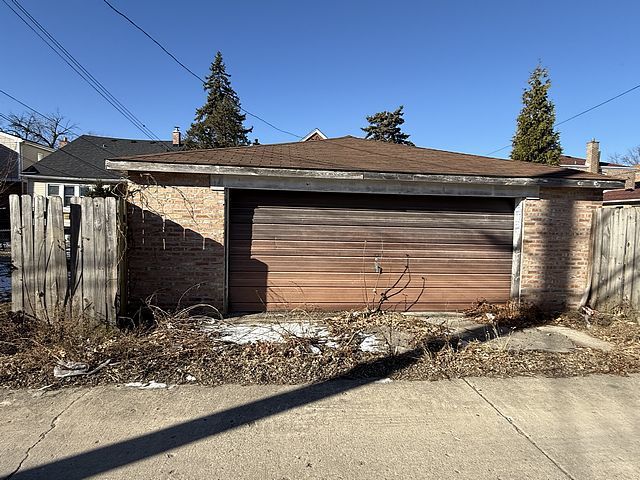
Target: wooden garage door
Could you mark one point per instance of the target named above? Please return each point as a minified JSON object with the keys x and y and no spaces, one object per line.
{"x":341,"y":251}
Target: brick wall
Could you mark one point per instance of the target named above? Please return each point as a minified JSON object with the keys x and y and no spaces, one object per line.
{"x":556,"y":242}
{"x":176,"y":240}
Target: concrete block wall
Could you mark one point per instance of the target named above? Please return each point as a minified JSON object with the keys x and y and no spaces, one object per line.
{"x":556,"y":244}
{"x":175,"y":237}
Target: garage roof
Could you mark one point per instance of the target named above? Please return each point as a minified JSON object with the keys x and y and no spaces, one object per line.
{"x":356,"y":154}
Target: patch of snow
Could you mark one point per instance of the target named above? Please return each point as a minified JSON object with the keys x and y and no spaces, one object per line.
{"x":384,"y":380}
{"x":190,"y":378}
{"x":277,"y":332}
{"x":371,"y":343}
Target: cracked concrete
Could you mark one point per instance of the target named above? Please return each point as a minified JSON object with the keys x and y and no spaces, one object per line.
{"x":25,"y":416}
{"x":44,"y":434}
{"x":578,"y":428}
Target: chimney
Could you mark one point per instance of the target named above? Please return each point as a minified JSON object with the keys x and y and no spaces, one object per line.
{"x":632,"y":178}
{"x":176,"y":137}
{"x":593,"y":156}
{"x":63,"y":142}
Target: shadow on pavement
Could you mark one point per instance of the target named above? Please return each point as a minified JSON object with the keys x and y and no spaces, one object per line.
{"x":104,"y":459}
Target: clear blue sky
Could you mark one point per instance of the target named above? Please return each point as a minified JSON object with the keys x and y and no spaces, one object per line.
{"x":458,"y":67}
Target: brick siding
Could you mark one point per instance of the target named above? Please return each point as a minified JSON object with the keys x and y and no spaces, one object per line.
{"x":556,"y":243}
{"x":176,"y":240}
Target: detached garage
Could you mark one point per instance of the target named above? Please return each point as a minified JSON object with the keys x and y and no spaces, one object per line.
{"x":342,"y":223}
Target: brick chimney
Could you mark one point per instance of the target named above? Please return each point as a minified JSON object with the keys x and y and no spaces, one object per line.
{"x":593,"y":156}
{"x":632,"y":178}
{"x":63,"y":142}
{"x":176,"y":137}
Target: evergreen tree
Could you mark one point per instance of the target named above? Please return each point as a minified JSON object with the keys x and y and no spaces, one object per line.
{"x":535,"y":139}
{"x":219,"y":122}
{"x":385,"y":126}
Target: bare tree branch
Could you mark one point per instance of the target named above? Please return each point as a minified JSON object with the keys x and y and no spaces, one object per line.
{"x":631,"y":157}
{"x":47,"y":131}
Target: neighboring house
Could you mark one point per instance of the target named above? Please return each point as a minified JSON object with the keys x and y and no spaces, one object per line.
{"x":79,"y":165}
{"x":314,"y":134}
{"x":15,"y":155}
{"x":630,"y":194}
{"x":333,"y":224}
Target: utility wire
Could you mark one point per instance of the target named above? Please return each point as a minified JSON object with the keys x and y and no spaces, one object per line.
{"x":77,"y":67}
{"x":198,"y":77}
{"x":581,"y":113}
{"x":82,"y":160}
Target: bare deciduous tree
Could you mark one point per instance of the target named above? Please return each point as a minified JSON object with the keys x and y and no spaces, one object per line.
{"x":44,"y":130}
{"x":631,"y":157}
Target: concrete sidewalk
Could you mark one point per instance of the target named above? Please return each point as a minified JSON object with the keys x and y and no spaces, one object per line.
{"x":577,"y":428}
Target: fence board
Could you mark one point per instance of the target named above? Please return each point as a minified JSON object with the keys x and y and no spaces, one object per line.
{"x":39,"y":254}
{"x":88,"y":259}
{"x":628,"y":215}
{"x":75,"y":260}
{"x":635,"y":287}
{"x":111,"y":256}
{"x":616,"y":257}
{"x":29,"y":286}
{"x":100,"y":279}
{"x":17,"y":275}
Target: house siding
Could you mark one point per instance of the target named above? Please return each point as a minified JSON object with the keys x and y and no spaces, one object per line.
{"x":556,"y":244}
{"x":176,"y":229}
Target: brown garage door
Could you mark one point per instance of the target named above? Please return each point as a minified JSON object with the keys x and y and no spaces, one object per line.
{"x":341,"y":251}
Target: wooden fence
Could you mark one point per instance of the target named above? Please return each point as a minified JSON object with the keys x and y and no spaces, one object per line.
{"x":74,"y":276}
{"x":615,"y":269}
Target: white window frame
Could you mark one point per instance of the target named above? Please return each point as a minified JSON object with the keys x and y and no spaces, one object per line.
{"x":61,"y":188}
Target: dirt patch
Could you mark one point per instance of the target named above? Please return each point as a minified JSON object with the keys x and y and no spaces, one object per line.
{"x":178,"y":349}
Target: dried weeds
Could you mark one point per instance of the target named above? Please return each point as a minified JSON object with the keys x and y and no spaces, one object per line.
{"x":174,"y":349}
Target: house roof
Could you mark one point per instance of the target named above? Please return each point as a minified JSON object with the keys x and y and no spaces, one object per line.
{"x":566,"y":160}
{"x":84,"y":157}
{"x":357,"y":154}
{"x":622,"y":195}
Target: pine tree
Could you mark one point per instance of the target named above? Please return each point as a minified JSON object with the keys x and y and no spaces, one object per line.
{"x":385,"y":126}
{"x":219,"y":122}
{"x":535,"y":139}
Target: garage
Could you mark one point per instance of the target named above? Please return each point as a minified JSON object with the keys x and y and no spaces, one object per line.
{"x":341,"y":223}
{"x":333,"y":251}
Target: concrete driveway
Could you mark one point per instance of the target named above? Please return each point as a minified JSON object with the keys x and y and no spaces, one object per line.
{"x":576,"y":428}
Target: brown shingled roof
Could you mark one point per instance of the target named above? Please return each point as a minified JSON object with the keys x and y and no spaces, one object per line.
{"x":623,"y":195}
{"x":357,"y":154}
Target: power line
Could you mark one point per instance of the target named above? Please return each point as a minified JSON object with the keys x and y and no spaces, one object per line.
{"x":582,"y":112}
{"x":77,"y":67}
{"x":191,"y":72}
{"x":101,"y":170}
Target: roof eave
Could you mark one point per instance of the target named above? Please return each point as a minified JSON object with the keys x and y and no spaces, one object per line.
{"x":132,"y":166}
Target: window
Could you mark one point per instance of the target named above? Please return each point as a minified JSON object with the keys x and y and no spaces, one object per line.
{"x":66,"y":192}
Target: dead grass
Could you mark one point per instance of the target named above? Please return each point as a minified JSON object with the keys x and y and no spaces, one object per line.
{"x":174,"y":349}
{"x":512,"y":314}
